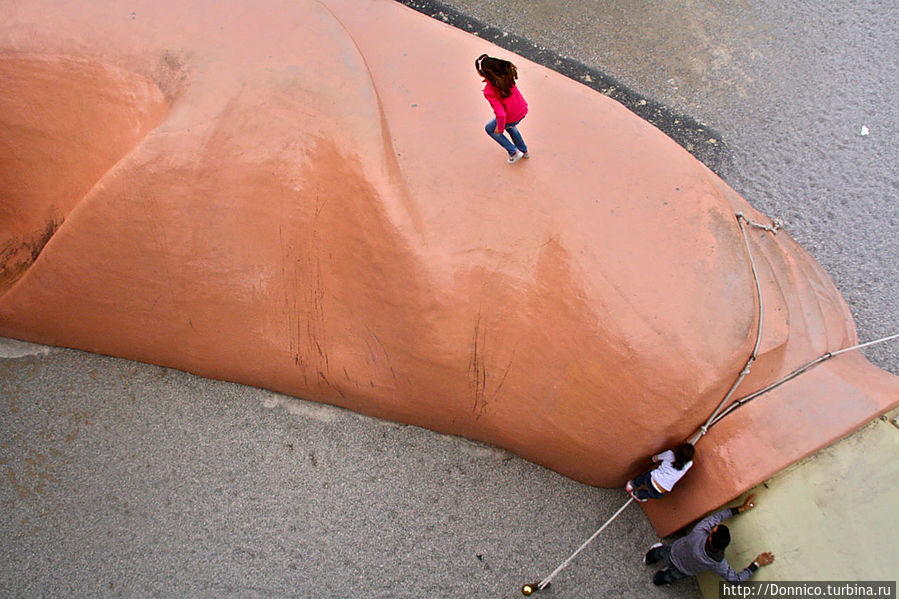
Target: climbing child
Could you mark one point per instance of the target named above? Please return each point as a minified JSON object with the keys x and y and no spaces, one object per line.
{"x":672,"y":465}
{"x":507,"y":102}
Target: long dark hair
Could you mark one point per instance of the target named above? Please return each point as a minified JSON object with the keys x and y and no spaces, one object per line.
{"x":500,"y":73}
{"x":683,"y":453}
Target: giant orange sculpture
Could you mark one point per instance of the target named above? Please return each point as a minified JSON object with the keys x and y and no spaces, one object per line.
{"x":299,"y":195}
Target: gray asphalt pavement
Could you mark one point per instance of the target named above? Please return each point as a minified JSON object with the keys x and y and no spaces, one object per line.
{"x":125,"y":479}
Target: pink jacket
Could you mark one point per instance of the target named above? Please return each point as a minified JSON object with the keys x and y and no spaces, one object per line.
{"x":507,"y":110}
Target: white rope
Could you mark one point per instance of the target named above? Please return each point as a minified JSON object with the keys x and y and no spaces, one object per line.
{"x":704,"y":428}
{"x":861,"y":345}
{"x":794,"y":374}
{"x":758,"y":338}
{"x":720,"y":412}
{"x":543,"y":583}
{"x":773,"y":227}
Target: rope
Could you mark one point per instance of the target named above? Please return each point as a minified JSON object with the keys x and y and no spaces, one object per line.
{"x":805,"y":367}
{"x":545,"y":582}
{"x":773,"y":227}
{"x":712,"y":419}
{"x":741,"y":218}
{"x":861,"y":345}
{"x":720,"y":412}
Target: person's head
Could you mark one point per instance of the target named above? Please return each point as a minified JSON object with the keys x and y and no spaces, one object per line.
{"x":500,"y":73}
{"x":683,"y":454}
{"x":719,"y":537}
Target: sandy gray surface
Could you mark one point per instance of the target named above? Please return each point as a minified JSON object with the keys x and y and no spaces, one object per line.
{"x":123,"y":479}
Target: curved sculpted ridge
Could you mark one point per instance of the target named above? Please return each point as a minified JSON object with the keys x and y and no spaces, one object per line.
{"x":47,"y":162}
{"x":317,"y":211}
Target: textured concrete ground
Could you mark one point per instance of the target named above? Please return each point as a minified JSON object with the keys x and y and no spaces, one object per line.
{"x":123,"y":479}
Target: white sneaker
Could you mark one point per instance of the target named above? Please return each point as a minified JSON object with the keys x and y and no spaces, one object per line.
{"x":515,"y":157}
{"x":526,"y":155}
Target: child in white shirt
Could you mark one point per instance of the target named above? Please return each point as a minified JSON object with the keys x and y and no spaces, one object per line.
{"x":672,"y":465}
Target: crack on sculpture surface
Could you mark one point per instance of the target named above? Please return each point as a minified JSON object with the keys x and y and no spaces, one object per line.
{"x":477,"y":371}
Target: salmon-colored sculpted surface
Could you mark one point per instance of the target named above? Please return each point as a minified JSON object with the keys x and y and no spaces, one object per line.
{"x":299,"y":195}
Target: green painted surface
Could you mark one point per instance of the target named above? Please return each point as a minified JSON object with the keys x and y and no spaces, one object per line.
{"x":832,"y":516}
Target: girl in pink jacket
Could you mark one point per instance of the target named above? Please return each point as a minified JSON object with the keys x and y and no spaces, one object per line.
{"x":507,"y":102}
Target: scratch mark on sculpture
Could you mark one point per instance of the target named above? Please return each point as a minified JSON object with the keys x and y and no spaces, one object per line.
{"x":307,"y":293}
{"x":477,"y":371}
{"x":374,"y":359}
{"x":315,"y":326}
{"x":294,"y":313}
{"x":317,"y":294}
{"x":319,"y":206}
{"x":282,"y":259}
{"x":381,"y":345}
{"x":505,"y":374}
{"x":292,"y":272}
{"x":330,"y":384}
{"x":371,"y":353}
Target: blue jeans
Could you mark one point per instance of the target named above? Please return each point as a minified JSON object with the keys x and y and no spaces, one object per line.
{"x":643,"y":487}
{"x":517,"y":142}
{"x":669,"y":572}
